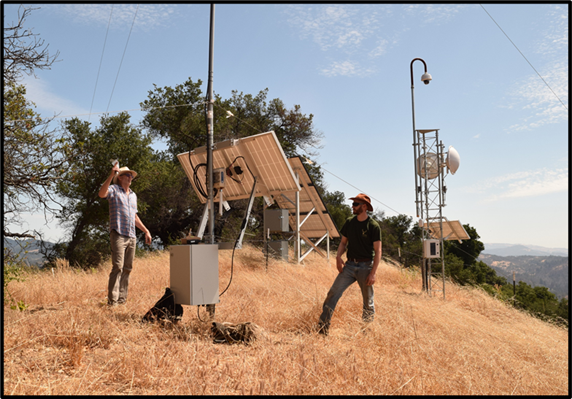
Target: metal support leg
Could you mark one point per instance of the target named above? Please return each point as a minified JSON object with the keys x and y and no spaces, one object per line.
{"x":203,"y":223}
{"x":245,"y":221}
{"x":298,"y":249}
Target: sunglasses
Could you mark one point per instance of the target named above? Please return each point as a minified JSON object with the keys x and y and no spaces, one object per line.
{"x":358,"y":203}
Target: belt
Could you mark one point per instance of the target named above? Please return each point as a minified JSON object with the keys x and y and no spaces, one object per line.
{"x":360,"y":259}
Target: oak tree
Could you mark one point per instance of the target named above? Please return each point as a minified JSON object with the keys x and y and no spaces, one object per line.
{"x":33,"y":151}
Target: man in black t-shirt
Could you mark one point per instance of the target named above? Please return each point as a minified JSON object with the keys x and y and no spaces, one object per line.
{"x":362,"y":237}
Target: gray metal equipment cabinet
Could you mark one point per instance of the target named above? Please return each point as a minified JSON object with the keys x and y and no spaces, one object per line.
{"x":276,"y":220}
{"x":194,"y":274}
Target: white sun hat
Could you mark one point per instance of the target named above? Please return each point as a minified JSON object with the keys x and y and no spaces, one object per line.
{"x":122,"y":171}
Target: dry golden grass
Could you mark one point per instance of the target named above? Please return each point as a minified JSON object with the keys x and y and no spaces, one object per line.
{"x":69,"y":343}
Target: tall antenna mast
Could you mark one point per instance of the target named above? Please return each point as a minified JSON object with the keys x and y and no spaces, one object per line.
{"x":431,"y":164}
{"x":210,"y":127}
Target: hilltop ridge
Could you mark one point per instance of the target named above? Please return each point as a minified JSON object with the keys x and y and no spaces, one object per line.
{"x":68,"y":342}
{"x":501,"y":249}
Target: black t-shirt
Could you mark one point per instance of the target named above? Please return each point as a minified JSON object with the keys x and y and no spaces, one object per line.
{"x":361,"y":236}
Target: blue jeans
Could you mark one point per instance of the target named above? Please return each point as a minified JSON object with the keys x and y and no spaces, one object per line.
{"x":352,"y":272}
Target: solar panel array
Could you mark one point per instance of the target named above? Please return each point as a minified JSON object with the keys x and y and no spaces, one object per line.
{"x":319,"y":222}
{"x":262,"y":156}
{"x":452,"y":230}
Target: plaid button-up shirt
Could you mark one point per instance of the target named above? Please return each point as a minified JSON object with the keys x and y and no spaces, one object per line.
{"x":122,"y":210}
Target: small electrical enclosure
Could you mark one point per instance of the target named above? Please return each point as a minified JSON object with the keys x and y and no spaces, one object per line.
{"x":218,"y":177}
{"x":431,"y":249}
{"x":279,"y":248}
{"x":194,"y":274}
{"x":276,"y":220}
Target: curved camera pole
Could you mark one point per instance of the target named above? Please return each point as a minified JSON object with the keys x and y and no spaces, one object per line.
{"x":418,"y":206}
{"x":417,"y":180}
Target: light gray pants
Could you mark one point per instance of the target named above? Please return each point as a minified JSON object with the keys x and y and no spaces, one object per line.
{"x":122,"y":255}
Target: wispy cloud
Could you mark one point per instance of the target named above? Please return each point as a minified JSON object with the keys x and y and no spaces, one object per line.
{"x":345,"y":68}
{"x":433,"y":13}
{"x":149,"y":16}
{"x":355,"y":35}
{"x":340,"y":26}
{"x":48,"y":103}
{"x":523,"y":184}
{"x":533,"y":94}
{"x":555,"y":40}
{"x":545,"y":100}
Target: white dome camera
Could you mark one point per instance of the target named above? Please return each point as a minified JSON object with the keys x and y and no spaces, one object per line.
{"x":426,"y":78}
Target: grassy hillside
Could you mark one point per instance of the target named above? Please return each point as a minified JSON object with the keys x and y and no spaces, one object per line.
{"x":69,"y":343}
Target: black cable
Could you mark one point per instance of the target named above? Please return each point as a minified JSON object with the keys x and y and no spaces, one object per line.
{"x":232,"y":163}
{"x":100,"y":61}
{"x":197,"y":180}
{"x":540,"y":76}
{"x":242,"y":227}
{"x":198,"y":314}
{"x":231,"y":274}
{"x":123,"y":56}
{"x":201,"y":190}
{"x":195,"y":169}
{"x":247,"y":167}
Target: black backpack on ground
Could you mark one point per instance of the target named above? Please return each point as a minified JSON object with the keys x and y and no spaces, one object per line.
{"x":165,"y":309}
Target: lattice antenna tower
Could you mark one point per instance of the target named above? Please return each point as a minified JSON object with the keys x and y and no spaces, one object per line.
{"x":432,"y":164}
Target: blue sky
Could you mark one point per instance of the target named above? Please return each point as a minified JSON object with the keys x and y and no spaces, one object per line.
{"x":349,"y":66}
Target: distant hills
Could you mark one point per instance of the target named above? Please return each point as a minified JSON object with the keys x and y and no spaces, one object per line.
{"x":534,"y":265}
{"x":33,"y":255}
{"x":547,"y":271}
{"x":521,"y":250}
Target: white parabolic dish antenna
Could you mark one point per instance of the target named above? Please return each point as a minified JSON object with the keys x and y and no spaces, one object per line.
{"x":427,"y":165}
{"x":453,"y":160}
